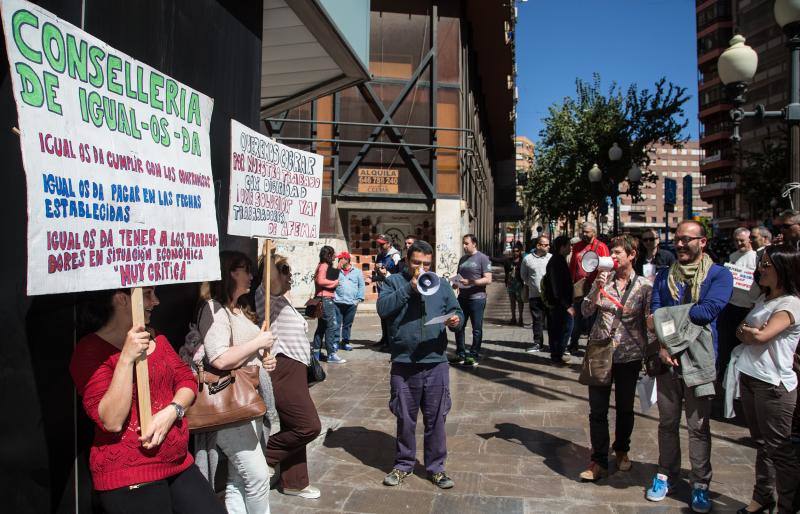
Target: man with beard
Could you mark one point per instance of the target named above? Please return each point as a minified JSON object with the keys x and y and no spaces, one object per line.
{"x":693,"y":279}
{"x":582,"y":281}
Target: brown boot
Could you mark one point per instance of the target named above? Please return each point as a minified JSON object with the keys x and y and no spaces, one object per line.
{"x":594,"y":473}
{"x":623,"y":462}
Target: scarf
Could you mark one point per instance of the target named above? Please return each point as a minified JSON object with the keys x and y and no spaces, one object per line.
{"x":692,"y":275}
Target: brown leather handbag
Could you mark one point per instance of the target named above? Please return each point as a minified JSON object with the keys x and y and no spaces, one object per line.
{"x":225,"y":397}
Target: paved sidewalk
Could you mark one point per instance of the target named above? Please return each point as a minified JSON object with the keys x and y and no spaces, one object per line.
{"x":517,"y":438}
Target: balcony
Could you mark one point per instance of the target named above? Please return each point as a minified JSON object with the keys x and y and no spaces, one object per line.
{"x":710,"y":55}
{"x":716,"y":190}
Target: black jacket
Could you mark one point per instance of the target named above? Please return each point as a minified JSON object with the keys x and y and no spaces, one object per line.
{"x":559,"y":281}
{"x":663,"y":259}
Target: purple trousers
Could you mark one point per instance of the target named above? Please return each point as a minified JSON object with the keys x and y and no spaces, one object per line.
{"x":415,"y":387}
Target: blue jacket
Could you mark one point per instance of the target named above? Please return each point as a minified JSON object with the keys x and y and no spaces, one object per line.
{"x":714,"y":296}
{"x":406,"y":312}
{"x":351,"y":287}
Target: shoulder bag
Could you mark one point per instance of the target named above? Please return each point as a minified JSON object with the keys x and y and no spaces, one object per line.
{"x":315,"y":372}
{"x":225,"y":397}
{"x":599,"y":356}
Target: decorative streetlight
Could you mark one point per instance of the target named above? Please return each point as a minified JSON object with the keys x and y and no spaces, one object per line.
{"x":737,"y":66}
{"x":595,"y":176}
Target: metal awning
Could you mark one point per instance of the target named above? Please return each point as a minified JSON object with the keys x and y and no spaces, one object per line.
{"x":304,"y":55}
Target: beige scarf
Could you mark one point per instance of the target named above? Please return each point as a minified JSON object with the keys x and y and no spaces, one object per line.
{"x":692,"y":275}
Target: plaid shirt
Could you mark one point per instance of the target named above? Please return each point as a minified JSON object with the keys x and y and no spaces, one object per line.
{"x":631,"y":334}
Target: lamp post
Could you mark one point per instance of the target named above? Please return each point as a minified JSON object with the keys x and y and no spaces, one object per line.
{"x":595,"y":175}
{"x":737,"y":66}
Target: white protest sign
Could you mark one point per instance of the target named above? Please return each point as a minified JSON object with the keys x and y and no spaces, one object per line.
{"x":117,"y":162}
{"x":742,"y":277}
{"x":275,"y":190}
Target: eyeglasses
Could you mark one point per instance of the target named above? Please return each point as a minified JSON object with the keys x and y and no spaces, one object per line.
{"x":543,"y":244}
{"x":785,"y":226}
{"x":687,"y":239}
{"x":648,"y":239}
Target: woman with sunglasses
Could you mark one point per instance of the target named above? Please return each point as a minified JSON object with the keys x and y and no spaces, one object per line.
{"x":299,"y":420}
{"x":768,"y":384}
{"x":650,"y":258}
{"x":231,"y":339}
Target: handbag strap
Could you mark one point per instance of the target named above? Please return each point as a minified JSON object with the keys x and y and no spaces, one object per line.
{"x":620,"y":305}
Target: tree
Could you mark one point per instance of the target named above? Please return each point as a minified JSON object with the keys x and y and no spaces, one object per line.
{"x":579,"y":132}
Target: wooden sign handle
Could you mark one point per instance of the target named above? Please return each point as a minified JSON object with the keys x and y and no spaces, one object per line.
{"x":267,"y":277}
{"x":142,"y":375}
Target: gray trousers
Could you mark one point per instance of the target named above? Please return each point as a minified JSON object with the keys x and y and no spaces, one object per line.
{"x":672,"y":396}
{"x":768,"y":410}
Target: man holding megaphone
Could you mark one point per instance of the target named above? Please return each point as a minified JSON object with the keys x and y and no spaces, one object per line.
{"x":416,"y":310}
{"x":582,"y":280}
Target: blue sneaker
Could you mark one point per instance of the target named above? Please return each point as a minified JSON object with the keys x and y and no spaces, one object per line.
{"x":335,"y":359}
{"x":660,"y":488}
{"x":346,"y":347}
{"x":700,"y":502}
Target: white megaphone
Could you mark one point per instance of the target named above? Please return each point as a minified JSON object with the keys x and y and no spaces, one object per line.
{"x":591,"y":261}
{"x":428,"y":283}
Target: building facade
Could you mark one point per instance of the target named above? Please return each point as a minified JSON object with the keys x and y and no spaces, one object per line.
{"x":717,"y":22}
{"x":676,"y":164}
{"x":425,"y":148}
{"x":525,"y":161}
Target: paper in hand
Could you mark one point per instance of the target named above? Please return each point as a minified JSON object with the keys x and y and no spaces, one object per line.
{"x":439,"y":319}
{"x":456,"y":281}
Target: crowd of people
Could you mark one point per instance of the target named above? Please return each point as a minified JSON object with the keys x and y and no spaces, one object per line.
{"x":680,"y":318}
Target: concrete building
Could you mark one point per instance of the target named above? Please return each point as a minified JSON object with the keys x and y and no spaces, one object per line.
{"x":717,"y":21}
{"x":675,"y":164}
{"x":525,"y":159}
{"x":426,"y":147}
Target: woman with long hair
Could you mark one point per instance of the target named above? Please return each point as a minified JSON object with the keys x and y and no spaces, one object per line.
{"x":231,"y":339}
{"x":767,"y":382}
{"x":326,"y":279}
{"x":300,"y":423}
{"x":135,"y":470}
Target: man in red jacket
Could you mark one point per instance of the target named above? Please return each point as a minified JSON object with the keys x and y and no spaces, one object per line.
{"x":582,"y":281}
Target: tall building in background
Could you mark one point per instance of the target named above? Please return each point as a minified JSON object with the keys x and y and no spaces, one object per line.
{"x":525,"y":155}
{"x":668,"y":163}
{"x":717,"y":22}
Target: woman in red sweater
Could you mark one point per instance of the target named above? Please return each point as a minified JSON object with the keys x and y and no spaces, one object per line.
{"x":326,"y":279}
{"x":132,"y":471}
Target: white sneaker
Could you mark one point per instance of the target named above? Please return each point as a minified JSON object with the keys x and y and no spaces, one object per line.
{"x":566,"y":358}
{"x":310,"y":492}
{"x":536,"y":347}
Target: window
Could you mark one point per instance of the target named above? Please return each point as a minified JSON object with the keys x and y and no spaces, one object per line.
{"x":684,"y":163}
{"x":674,"y":151}
{"x":684,"y":151}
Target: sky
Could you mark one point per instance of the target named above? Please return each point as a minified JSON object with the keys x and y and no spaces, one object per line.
{"x":625,"y":41}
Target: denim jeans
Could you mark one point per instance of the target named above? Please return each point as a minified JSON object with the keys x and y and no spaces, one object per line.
{"x":473,"y":310}
{"x":247,"y":489}
{"x":346,"y":313}
{"x":327,"y":328}
{"x":559,"y":331}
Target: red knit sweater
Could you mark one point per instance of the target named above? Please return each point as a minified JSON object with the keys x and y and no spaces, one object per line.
{"x":118,"y":459}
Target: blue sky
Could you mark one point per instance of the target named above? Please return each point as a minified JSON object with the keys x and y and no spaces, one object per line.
{"x":626,"y":41}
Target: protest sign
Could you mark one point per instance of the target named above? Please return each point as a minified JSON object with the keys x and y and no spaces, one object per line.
{"x":117,"y":162}
{"x":742,"y":277}
{"x":275,"y":190}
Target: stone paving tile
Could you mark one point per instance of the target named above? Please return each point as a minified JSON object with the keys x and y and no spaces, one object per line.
{"x":517,"y":439}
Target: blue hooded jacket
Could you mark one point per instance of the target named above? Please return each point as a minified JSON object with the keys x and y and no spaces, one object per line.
{"x":406,"y":312}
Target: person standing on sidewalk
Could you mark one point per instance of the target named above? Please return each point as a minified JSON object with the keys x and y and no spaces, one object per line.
{"x":651,"y":259}
{"x":582,"y":281}
{"x":475,"y":270}
{"x":768,"y":383}
{"x":740,"y":303}
{"x":349,"y":293}
{"x":408,"y":241}
{"x":515,"y":285}
{"x":533,"y":269}
{"x":420,"y":375}
{"x":326,"y":280}
{"x":558,"y":291}
{"x":693,"y":279}
{"x":621,"y":300}
{"x":387,"y":262}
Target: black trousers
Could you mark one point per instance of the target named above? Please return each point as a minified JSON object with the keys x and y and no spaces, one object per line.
{"x":727,"y":322}
{"x":185,"y":493}
{"x":624,"y":377}
{"x":538,"y":312}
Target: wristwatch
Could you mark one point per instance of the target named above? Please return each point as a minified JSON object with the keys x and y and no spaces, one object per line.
{"x":179,"y":409}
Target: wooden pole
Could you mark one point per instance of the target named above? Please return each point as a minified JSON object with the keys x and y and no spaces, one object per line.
{"x":267,"y":277}
{"x":142,"y":375}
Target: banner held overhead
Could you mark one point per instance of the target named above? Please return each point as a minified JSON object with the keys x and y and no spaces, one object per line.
{"x":275,"y":190}
{"x":117,"y":162}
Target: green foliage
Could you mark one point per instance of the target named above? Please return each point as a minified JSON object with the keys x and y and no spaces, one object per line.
{"x":579,"y":132}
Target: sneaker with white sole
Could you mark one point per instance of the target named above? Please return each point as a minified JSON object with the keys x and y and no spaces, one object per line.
{"x":535,"y":348}
{"x":700,"y":502}
{"x":660,"y":488}
{"x":310,"y":492}
{"x":566,"y":358}
{"x":335,"y":359}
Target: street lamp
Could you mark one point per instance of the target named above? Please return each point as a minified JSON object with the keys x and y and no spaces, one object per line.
{"x":737,"y":66}
{"x":595,"y":176}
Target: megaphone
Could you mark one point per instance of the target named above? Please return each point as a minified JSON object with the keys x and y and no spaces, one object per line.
{"x":428,"y":283}
{"x":591,"y":261}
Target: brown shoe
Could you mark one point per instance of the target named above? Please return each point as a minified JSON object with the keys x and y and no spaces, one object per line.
{"x":623,"y":462}
{"x":594,"y":473}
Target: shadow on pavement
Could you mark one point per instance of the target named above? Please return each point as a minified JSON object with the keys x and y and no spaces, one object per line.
{"x":371,"y":447}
